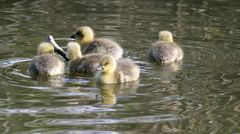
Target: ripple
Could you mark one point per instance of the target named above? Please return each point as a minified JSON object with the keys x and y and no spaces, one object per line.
{"x":69,"y":132}
{"x":77,"y":81}
{"x":14,"y":72}
{"x":79,"y":122}
{"x":18,"y":111}
{"x":11,"y":62}
{"x":201,"y":95}
{"x":76,"y":110}
{"x":67,"y":110}
{"x":202,"y":56}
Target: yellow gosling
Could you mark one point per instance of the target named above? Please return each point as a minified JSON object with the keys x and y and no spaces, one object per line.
{"x":81,"y":64}
{"x":85,"y":37}
{"x":112,"y":71}
{"x":165,"y":50}
{"x":46,"y":63}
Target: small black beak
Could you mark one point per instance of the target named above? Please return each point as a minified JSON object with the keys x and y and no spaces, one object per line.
{"x":73,"y":36}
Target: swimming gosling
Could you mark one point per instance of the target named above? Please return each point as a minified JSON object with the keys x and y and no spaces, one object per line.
{"x":85,"y":37}
{"x":81,"y":64}
{"x":116,"y":71}
{"x":165,"y":50}
{"x":46,"y":63}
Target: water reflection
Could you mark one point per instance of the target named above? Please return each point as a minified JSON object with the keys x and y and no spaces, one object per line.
{"x":69,"y":132}
{"x":170,"y":67}
{"x":109,"y":92}
{"x":78,"y":122}
{"x":200,"y":95}
{"x":49,"y":81}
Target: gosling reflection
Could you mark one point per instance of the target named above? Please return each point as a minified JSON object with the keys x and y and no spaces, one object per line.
{"x":108,"y":96}
{"x":109,"y":92}
{"x":168,"y":72}
{"x":171,"y":67}
{"x":49,"y":81}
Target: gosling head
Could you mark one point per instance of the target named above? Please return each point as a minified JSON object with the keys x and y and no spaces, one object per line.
{"x":83,"y":35}
{"x":45,"y":48}
{"x":166,"y":36}
{"x":73,"y":51}
{"x":107,"y":64}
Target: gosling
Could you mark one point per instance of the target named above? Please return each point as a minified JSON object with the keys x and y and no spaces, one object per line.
{"x":81,"y":64}
{"x":46,"y":63}
{"x":165,"y":50}
{"x":85,"y":37}
{"x":112,"y":71}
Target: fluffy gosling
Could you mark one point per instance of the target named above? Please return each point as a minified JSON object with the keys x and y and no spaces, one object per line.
{"x":46,"y":63}
{"x":78,"y":63}
{"x":112,"y":71}
{"x":165,"y":50}
{"x":85,"y":37}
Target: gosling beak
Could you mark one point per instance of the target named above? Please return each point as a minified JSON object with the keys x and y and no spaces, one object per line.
{"x":100,"y":67}
{"x":73,"y":36}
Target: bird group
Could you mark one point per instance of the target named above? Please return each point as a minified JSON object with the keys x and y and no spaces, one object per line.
{"x":101,"y":57}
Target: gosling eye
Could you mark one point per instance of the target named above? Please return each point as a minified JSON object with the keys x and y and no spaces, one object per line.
{"x":79,"y":34}
{"x":106,"y":63}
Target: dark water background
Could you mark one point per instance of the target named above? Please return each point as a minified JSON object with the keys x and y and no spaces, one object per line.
{"x":199,"y":96}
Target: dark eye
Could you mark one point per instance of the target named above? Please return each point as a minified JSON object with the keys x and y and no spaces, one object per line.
{"x":79,"y":34}
{"x":106,"y":63}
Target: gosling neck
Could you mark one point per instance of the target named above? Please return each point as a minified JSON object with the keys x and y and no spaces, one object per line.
{"x":41,"y":53}
{"x":168,"y":40}
{"x":87,"y":39}
{"x":111,"y":70}
{"x":74,"y":54}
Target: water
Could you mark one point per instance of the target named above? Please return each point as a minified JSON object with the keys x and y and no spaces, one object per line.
{"x":199,"y":96}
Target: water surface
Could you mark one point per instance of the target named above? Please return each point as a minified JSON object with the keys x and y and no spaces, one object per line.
{"x":199,"y":95}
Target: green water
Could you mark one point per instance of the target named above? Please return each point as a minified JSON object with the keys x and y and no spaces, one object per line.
{"x":199,"y":96}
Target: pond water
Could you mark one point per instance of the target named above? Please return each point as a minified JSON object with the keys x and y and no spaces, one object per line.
{"x":198,"y":96}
